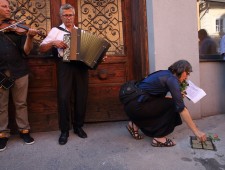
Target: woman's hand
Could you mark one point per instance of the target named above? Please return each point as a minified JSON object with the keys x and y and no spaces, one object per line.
{"x":201,"y":135}
{"x":183,"y":93}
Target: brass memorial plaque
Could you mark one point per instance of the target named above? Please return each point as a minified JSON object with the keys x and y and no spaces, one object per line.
{"x":207,"y":145}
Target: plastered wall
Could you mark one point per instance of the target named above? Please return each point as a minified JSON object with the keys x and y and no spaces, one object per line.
{"x":172,"y":35}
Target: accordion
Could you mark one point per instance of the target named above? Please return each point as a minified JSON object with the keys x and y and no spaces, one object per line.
{"x":85,"y":47}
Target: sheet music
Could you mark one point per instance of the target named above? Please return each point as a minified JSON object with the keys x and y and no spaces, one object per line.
{"x":194,"y":93}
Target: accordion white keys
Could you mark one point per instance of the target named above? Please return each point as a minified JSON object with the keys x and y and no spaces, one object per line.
{"x":84,"y":47}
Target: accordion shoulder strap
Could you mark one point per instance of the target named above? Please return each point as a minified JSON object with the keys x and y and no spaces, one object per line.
{"x":62,"y":29}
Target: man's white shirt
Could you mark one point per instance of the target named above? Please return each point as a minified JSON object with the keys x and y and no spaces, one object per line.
{"x":56,"y":34}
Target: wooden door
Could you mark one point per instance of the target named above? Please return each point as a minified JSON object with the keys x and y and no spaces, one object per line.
{"x":42,"y":95}
{"x":121,"y":22}
{"x":108,"y":19}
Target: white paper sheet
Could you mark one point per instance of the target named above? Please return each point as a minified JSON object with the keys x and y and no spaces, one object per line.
{"x":194,"y":93}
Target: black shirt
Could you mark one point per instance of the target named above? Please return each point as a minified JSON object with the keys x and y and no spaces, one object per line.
{"x":12,"y":54}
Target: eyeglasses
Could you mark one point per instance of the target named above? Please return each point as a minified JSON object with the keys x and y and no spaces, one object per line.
{"x":68,"y":15}
{"x":188,"y":73}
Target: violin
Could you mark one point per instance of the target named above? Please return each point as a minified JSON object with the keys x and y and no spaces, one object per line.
{"x":17,"y":27}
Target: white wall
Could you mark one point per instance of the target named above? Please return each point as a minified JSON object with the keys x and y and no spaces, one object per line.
{"x":213,"y":82}
{"x":172,"y":31}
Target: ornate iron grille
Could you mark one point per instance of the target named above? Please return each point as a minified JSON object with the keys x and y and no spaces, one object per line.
{"x":35,"y":12}
{"x":103,"y":18}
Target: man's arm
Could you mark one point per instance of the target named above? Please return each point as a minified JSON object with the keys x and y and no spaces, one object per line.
{"x":52,"y":40}
{"x":55,"y":43}
{"x":45,"y":47}
{"x":29,"y":40}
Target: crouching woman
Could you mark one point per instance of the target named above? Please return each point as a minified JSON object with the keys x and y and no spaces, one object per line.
{"x":157,"y":115}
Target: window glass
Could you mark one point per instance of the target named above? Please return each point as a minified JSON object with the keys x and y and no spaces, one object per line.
{"x":212,"y":21}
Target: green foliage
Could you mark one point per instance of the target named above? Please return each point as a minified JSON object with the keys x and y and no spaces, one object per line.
{"x":183,"y":86}
{"x":214,"y":137}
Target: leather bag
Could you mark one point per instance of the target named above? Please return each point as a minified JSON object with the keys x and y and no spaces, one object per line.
{"x":129,"y":91}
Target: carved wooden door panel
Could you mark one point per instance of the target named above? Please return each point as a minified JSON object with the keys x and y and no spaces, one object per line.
{"x":111,"y":20}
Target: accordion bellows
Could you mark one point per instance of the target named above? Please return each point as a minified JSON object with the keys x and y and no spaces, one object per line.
{"x":85,"y":47}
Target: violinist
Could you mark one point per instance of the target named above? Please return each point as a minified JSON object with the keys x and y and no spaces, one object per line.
{"x":14,"y":48}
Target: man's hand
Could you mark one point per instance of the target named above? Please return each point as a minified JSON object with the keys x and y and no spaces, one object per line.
{"x":32,"y":32}
{"x":29,"y":40}
{"x":59,"y":44}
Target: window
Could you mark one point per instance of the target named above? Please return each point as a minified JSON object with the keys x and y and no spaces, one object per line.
{"x":219,"y":25}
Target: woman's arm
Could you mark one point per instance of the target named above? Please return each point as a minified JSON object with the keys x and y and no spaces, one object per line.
{"x":188,"y":120}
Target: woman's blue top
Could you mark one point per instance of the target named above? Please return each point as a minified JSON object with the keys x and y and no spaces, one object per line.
{"x":160,"y":83}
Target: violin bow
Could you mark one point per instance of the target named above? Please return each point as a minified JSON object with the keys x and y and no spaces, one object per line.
{"x":12,"y":25}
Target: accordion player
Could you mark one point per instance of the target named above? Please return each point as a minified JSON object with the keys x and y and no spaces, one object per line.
{"x":84,"y":46}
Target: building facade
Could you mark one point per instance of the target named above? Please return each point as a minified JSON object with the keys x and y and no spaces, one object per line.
{"x":145,"y":36}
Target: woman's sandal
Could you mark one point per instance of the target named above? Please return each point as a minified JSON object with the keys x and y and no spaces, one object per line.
{"x":168,"y":143}
{"x":134,"y":133}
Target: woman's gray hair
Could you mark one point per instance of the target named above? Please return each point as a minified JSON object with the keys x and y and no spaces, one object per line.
{"x":179,"y":67}
{"x":65,"y":7}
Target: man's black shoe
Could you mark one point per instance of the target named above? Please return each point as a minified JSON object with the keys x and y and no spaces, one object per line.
{"x":27,"y":138}
{"x":3,"y":142}
{"x":63,"y":138}
{"x":80,"y":132}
